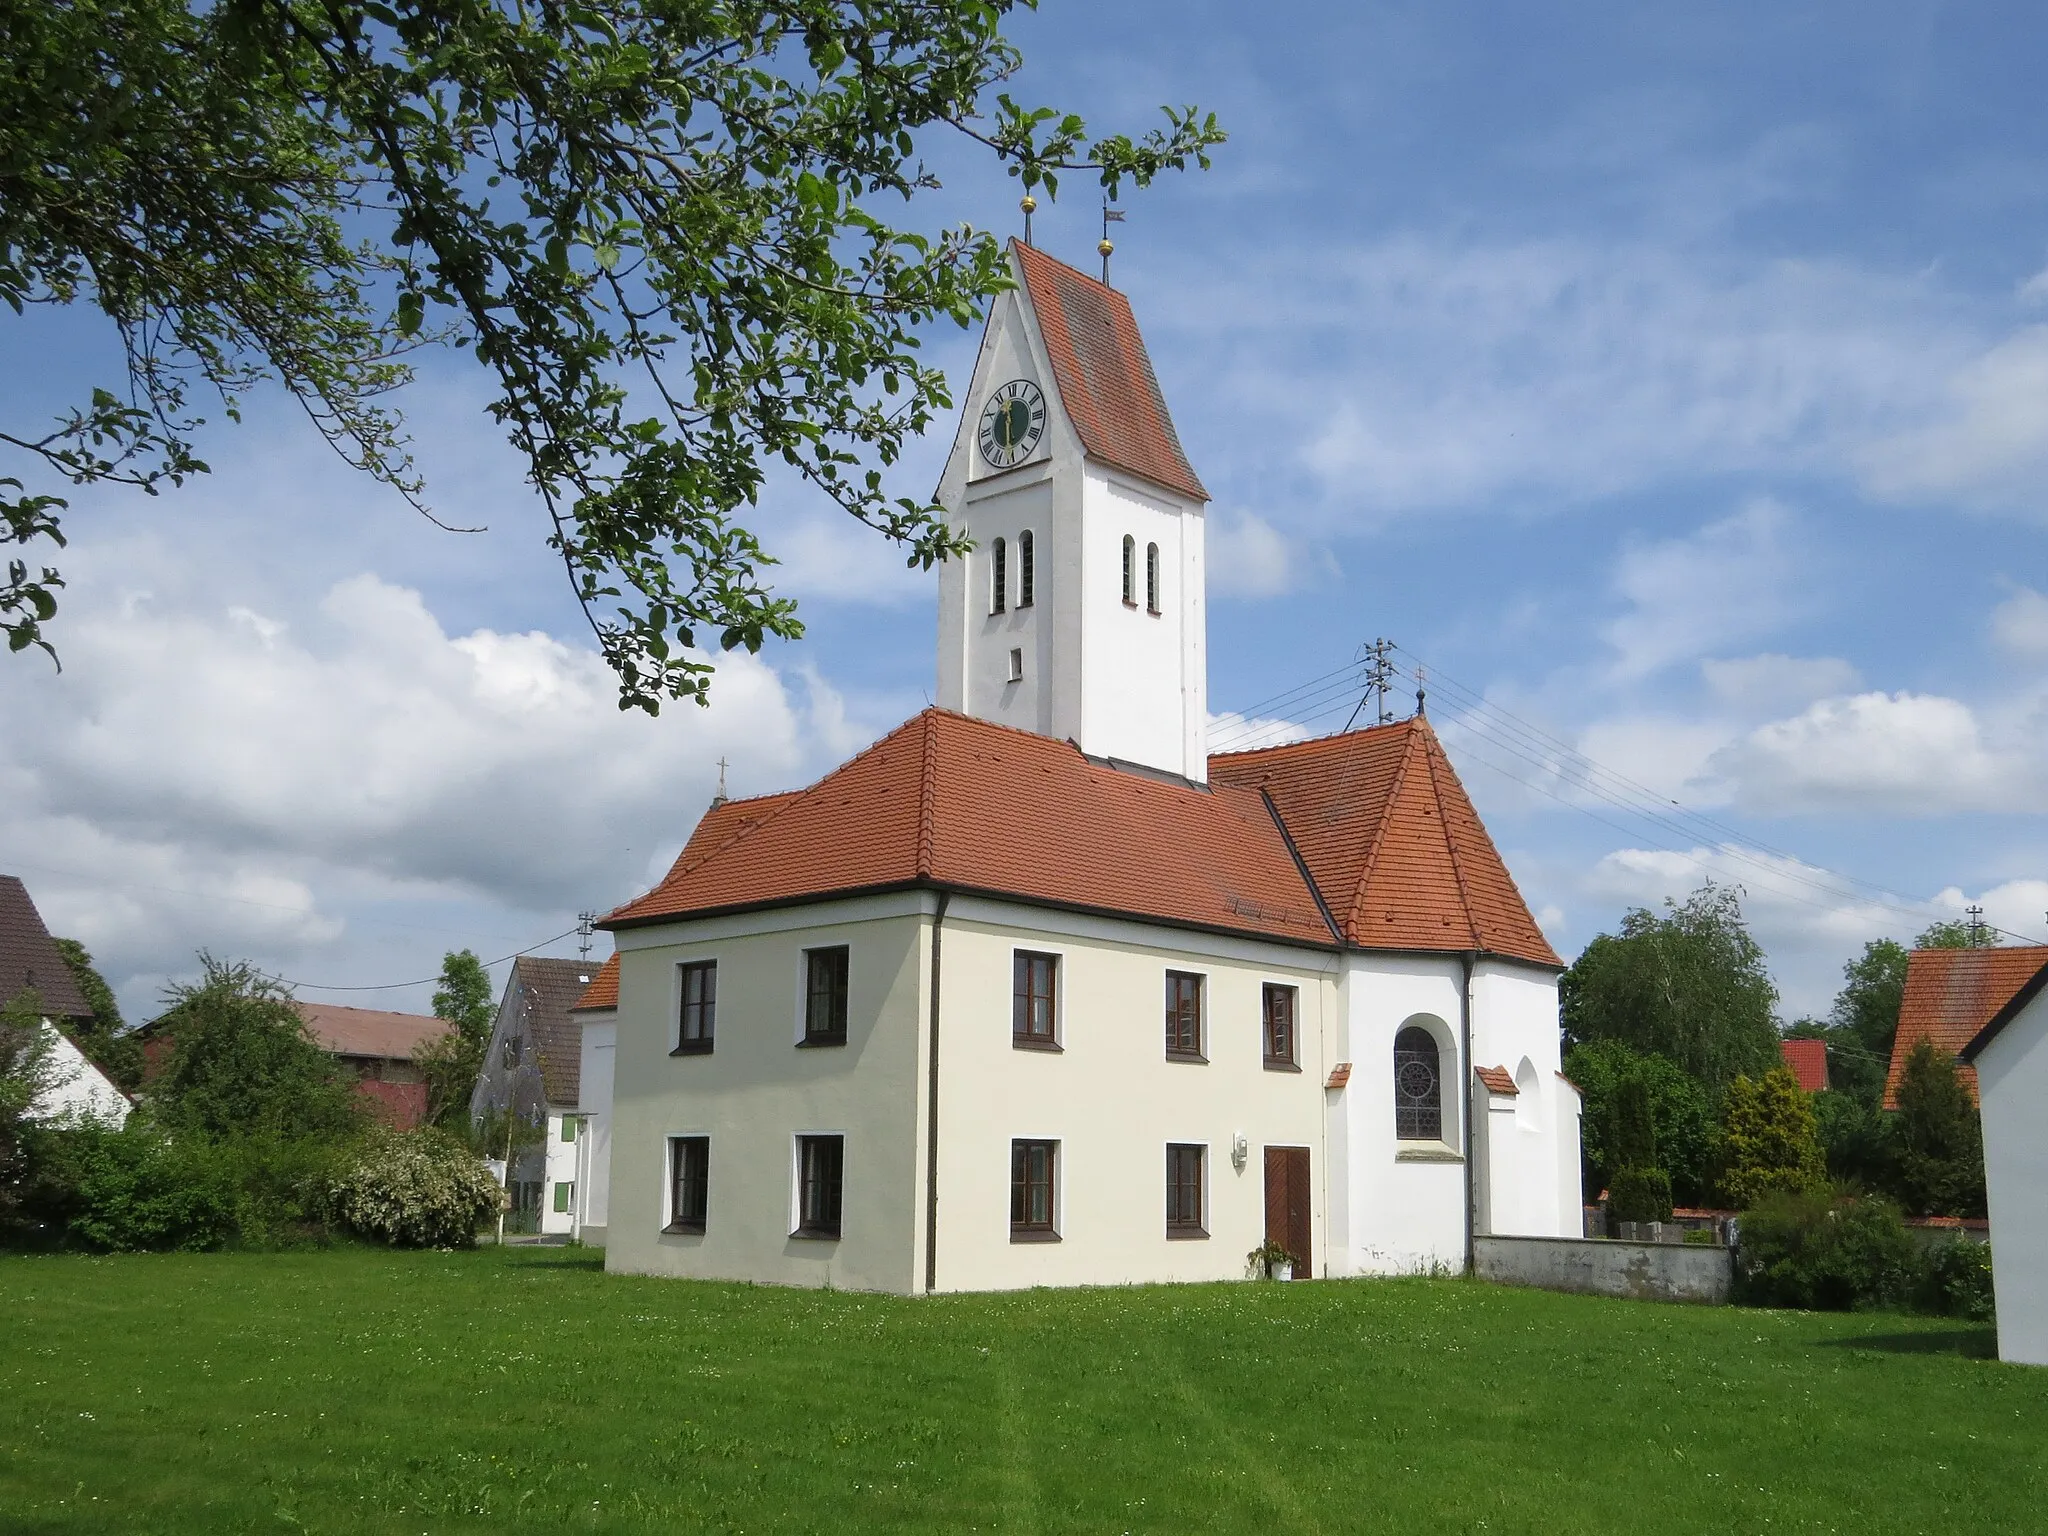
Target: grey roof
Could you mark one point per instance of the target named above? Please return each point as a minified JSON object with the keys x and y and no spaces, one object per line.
{"x":29,"y":957}
{"x":546,"y":991}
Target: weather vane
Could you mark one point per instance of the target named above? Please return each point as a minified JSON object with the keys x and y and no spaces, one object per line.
{"x":1109,"y":216}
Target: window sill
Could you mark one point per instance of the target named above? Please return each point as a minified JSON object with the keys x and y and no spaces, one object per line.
{"x":815,"y":1042}
{"x":693,"y":1048}
{"x":815,"y":1235}
{"x":1185,"y":1235}
{"x":1026,"y":1043}
{"x":1427,"y":1152}
{"x":1131,"y":603}
{"x":683,"y":1229}
{"x":1028,"y":1235}
{"x":1193,"y":1058}
{"x":1276,"y":1064}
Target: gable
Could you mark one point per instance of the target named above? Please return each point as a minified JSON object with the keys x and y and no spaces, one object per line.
{"x":30,"y":959}
{"x":1953,"y":995}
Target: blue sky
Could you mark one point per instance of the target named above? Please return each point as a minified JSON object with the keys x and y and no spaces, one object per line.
{"x":1673,"y":382}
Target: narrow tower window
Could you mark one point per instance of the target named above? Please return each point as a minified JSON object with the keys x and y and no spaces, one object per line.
{"x":999,"y":576}
{"x":1418,"y":1086}
{"x":1017,"y":664}
{"x":1151,"y":577}
{"x":1130,"y":572}
{"x":1025,"y":569}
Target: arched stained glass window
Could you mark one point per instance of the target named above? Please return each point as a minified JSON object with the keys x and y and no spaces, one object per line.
{"x":1418,"y":1086}
{"x":999,"y":577}
{"x":1026,"y":570}
{"x":1151,"y":578}
{"x":1130,"y":570}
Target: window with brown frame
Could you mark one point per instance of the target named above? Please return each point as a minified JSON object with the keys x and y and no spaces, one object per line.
{"x":689,"y":1172}
{"x":821,"y":1170}
{"x":1277,"y":1005}
{"x":1034,"y":1015}
{"x":1033,"y":1167}
{"x":1184,"y":1191}
{"x":1184,"y":1016}
{"x":825,"y":996}
{"x":697,"y":1024}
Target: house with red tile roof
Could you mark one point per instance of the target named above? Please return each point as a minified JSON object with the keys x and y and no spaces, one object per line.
{"x":69,"y":1086}
{"x":1950,"y":996}
{"x":1036,"y":991}
{"x":533,"y":1075}
{"x":2007,"y":1058}
{"x":1808,"y":1060}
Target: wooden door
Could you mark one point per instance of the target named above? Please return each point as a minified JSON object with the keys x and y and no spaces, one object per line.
{"x":1287,"y":1207}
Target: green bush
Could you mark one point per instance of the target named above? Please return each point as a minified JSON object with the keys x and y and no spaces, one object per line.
{"x":418,"y":1189}
{"x":1825,"y":1253}
{"x":1956,"y":1281}
{"x":1702,"y":1237}
{"x":136,"y":1188}
{"x":1640,"y":1194}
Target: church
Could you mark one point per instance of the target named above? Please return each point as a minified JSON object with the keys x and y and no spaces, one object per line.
{"x":1035,"y":990}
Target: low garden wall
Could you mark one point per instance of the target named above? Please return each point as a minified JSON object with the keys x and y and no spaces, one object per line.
{"x":1605,"y":1267}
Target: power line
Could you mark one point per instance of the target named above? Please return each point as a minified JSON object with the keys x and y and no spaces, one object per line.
{"x":393,"y":986}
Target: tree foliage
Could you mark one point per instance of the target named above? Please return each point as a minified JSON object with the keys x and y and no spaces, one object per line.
{"x":1689,"y":986}
{"x":1768,"y":1139}
{"x":242,"y":1064}
{"x":104,"y":1039}
{"x":1682,"y":1116}
{"x":1937,"y":1138}
{"x":26,"y":1074}
{"x":1958,"y":933}
{"x":1807,"y":1248}
{"x":450,"y":1064}
{"x":658,"y":227}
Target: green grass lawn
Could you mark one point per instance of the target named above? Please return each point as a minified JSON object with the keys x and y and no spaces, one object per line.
{"x":367,"y":1391}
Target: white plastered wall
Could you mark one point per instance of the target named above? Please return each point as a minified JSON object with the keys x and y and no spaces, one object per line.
{"x":757,"y":1090}
{"x":562,"y":1159}
{"x":1515,"y":1026}
{"x":594,"y":1142}
{"x":2012,"y":1085}
{"x":76,"y":1089}
{"x":1113,"y":1101}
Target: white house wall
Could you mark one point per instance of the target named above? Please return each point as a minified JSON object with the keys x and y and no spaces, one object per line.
{"x":76,"y":1090}
{"x":1515,"y":1026}
{"x":756,"y":1091}
{"x":1111,"y":1099}
{"x":594,"y":1143}
{"x":2012,"y":1086}
{"x":561,"y":1163}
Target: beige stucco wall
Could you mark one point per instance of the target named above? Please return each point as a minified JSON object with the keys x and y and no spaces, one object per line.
{"x":1112,"y":1100}
{"x":756,"y":1091}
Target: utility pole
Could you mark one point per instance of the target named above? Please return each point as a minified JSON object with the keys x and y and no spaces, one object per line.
{"x":1377,"y":658}
{"x":1975,"y":914}
{"x":586,"y":925}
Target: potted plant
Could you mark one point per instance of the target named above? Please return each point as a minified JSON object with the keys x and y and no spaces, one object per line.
{"x":1270,"y":1260}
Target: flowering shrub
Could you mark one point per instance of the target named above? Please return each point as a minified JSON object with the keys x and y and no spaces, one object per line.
{"x":418,"y":1189}
{"x":1957,"y":1282}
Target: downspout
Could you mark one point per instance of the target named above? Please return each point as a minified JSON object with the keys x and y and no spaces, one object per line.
{"x":931,"y":1110}
{"x":1465,"y":964}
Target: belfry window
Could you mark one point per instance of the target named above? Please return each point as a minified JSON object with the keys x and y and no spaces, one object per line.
{"x":1151,"y":578}
{"x":1130,"y":572}
{"x":1026,"y":572}
{"x":999,"y":577}
{"x":1418,"y":1086}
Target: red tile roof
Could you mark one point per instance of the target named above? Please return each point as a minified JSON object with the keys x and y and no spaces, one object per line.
{"x":1377,"y":817}
{"x":1340,"y":1074}
{"x":1103,"y":373}
{"x":920,"y":808}
{"x":1498,"y":1080}
{"x":1808,"y":1060}
{"x":369,"y":1031}
{"x":30,"y":959}
{"x":1393,"y":842}
{"x":603,"y":991}
{"x":1951,"y":994}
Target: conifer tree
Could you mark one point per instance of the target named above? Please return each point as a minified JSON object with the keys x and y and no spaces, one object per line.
{"x":1769,"y":1141}
{"x":1937,"y":1139}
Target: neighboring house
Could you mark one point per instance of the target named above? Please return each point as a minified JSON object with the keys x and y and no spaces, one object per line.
{"x":1035,"y":990}
{"x":31,"y":962}
{"x":532,"y":1071}
{"x":375,"y":1046}
{"x":1950,"y":995}
{"x":2009,"y":1057}
{"x":597,"y":1010}
{"x":1808,"y":1060}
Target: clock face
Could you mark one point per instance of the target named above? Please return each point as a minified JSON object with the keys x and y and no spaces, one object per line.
{"x":1012,"y":422}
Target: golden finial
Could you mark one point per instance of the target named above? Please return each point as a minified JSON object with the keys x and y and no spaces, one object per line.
{"x":1109,"y":216}
{"x":1030,"y":206}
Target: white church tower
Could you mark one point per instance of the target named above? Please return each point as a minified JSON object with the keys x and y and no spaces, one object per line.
{"x":1081,"y":611}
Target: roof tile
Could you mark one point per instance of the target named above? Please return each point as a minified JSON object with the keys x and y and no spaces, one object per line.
{"x":30,"y":959}
{"x":1808,"y":1060}
{"x":546,"y":990}
{"x":1104,"y":375}
{"x":1951,"y":994}
{"x":603,"y":991}
{"x":1498,"y":1080}
{"x":370,"y":1031}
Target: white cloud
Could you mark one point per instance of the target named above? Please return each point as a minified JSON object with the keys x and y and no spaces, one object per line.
{"x":1247,"y":556}
{"x":1231,"y":732}
{"x":833,"y":557}
{"x":2020,"y":624}
{"x":1771,"y":682}
{"x":288,"y":782}
{"x":1989,"y":448}
{"x":1729,"y":581}
{"x":2035,"y":289}
{"x":1904,"y":754}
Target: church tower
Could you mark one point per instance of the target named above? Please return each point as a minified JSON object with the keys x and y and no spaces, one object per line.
{"x":1081,"y":611}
